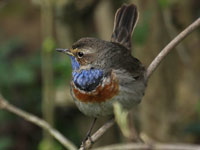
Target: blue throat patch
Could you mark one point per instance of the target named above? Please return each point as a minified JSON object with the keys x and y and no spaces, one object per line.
{"x":86,"y":80}
{"x":75,"y":64}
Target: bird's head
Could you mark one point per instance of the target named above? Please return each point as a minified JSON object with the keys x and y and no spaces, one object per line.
{"x":85,"y":52}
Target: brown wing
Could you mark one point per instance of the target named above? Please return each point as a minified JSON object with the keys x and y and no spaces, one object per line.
{"x":119,"y":58}
{"x":125,"y":21}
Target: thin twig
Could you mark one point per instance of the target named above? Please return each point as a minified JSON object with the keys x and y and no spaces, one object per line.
{"x":135,"y":146}
{"x":88,"y":144}
{"x":169,"y":47}
{"x":39,"y":122}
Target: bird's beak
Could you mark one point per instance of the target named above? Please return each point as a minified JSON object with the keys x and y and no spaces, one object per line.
{"x":66,"y":51}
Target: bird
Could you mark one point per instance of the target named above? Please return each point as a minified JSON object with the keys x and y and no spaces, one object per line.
{"x":105,"y":72}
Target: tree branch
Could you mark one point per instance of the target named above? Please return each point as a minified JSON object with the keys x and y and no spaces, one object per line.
{"x":135,"y":146}
{"x":39,"y":122}
{"x":152,"y":67}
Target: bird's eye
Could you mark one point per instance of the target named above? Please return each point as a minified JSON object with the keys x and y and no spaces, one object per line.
{"x":80,"y":54}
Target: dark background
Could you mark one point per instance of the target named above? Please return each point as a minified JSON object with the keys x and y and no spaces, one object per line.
{"x":36,"y":79}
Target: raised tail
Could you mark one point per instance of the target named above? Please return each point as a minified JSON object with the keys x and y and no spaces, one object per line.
{"x":125,"y":21}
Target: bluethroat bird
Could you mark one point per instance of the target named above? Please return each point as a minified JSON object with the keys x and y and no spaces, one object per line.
{"x":105,"y":72}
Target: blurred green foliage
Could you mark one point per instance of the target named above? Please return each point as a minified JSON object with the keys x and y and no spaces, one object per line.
{"x":46,"y":145}
{"x":13,"y":70}
{"x":164,"y":3}
{"x":49,"y":44}
{"x":142,"y":30}
{"x":14,"y":73}
{"x":193,"y":128}
{"x":5,"y":143}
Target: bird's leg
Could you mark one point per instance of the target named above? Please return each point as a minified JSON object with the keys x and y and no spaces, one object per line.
{"x":88,"y":135}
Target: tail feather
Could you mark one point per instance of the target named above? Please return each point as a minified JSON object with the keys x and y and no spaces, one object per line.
{"x":125,"y":21}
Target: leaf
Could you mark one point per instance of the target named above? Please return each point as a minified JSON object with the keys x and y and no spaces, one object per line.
{"x":121,"y":117}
